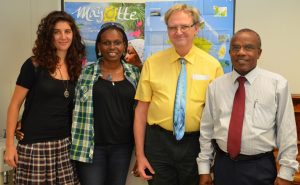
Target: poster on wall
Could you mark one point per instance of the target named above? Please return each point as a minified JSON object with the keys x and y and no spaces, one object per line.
{"x":90,"y":15}
{"x":216,"y":27}
{"x":146,"y":21}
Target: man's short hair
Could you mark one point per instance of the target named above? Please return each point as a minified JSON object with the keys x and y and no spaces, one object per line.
{"x":251,"y":31}
{"x":194,"y":12}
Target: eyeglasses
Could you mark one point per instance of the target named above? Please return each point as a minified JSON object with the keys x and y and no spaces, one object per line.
{"x":182,"y":28}
{"x":112,"y":24}
{"x":247,"y":48}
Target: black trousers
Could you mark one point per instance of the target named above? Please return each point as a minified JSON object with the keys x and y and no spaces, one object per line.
{"x":174,"y":162}
{"x":261,"y":171}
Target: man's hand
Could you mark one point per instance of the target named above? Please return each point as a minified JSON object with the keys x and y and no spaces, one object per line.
{"x":144,"y":169}
{"x":205,"y":179}
{"x":280,"y":181}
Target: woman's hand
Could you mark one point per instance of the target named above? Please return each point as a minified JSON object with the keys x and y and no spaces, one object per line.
{"x":11,"y":156}
{"x":19,"y":135}
{"x":134,"y":171}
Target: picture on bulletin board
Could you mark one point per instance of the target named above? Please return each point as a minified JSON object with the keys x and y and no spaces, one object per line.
{"x":90,"y":15}
{"x":216,"y":28}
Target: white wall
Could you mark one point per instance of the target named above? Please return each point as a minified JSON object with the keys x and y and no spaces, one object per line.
{"x":277,"y":22}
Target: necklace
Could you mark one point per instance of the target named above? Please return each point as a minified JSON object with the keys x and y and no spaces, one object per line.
{"x":66,"y":92}
{"x":109,"y":73}
{"x":109,"y":77}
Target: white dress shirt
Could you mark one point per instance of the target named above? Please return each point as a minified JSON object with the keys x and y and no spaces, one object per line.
{"x":269,"y":119}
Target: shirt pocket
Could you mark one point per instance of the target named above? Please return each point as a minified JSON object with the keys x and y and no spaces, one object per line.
{"x":83,"y":93}
{"x":198,"y":90}
{"x":263,"y":115}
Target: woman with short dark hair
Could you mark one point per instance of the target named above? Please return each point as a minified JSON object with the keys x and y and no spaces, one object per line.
{"x":102,"y":129}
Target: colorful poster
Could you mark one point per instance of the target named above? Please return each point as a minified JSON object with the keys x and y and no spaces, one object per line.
{"x":216,"y":28}
{"x":89,"y":17}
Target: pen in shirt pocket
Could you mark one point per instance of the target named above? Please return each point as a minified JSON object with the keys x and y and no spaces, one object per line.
{"x":255,"y":102}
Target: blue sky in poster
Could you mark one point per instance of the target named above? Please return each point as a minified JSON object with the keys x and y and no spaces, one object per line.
{"x":217,"y":16}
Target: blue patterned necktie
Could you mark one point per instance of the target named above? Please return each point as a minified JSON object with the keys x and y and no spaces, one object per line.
{"x":179,"y":105}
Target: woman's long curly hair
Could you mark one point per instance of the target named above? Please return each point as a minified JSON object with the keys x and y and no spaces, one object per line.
{"x":44,"y":51}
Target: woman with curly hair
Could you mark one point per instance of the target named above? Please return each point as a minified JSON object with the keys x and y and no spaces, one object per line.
{"x":47,"y":83}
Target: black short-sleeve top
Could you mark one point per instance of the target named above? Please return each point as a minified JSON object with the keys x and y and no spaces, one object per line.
{"x":47,"y":112}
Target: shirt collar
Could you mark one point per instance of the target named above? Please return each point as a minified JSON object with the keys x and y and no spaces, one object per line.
{"x":188,"y":57}
{"x":250,"y":76}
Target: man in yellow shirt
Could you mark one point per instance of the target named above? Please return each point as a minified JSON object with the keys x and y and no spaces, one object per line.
{"x":163,"y":159}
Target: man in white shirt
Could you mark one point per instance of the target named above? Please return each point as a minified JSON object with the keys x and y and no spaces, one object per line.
{"x":267,"y":122}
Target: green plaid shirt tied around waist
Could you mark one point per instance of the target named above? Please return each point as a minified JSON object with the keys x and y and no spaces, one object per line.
{"x":82,"y":147}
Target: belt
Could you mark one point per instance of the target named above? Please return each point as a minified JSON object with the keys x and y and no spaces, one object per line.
{"x":155,"y":126}
{"x":242,"y":157}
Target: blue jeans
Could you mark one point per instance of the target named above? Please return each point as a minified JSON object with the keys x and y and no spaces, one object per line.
{"x":110,"y":166}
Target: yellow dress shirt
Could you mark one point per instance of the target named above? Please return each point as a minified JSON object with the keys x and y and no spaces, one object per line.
{"x":158,"y":82}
